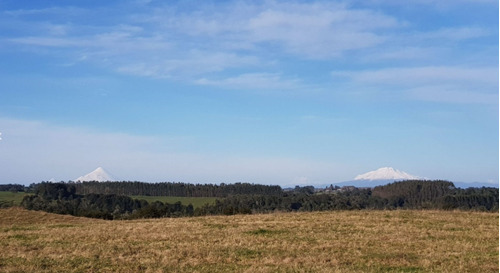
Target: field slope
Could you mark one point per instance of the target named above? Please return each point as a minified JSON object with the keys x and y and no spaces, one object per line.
{"x":340,"y":241}
{"x":12,"y":198}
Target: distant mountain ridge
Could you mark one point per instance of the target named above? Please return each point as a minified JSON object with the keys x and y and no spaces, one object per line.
{"x":379,"y":177}
{"x":386,"y":173}
{"x":375,"y":183}
{"x":365,"y":183}
{"x":98,"y":174}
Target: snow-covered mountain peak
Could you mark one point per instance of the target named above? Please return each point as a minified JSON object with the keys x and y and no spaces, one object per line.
{"x":386,"y":173}
{"x":98,"y":174}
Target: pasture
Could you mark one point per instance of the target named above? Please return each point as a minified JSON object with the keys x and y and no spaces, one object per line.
{"x":11,"y":198}
{"x":338,"y":241}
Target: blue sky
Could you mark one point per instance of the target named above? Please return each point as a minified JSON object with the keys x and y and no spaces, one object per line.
{"x":273,"y":92}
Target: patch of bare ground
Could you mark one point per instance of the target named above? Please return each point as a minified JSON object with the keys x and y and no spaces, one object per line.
{"x":339,"y":241}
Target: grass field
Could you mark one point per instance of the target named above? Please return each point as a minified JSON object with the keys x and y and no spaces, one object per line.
{"x":343,"y":241}
{"x":195,"y":201}
{"x":14,"y":197}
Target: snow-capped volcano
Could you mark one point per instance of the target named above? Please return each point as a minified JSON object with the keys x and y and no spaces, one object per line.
{"x":98,"y":174}
{"x":386,"y":173}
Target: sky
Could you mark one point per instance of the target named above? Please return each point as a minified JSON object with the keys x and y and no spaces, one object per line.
{"x":271,"y":92}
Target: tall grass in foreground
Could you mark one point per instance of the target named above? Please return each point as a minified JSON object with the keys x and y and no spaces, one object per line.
{"x":340,"y":241}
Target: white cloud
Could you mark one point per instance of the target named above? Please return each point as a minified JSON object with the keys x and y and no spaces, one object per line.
{"x":70,"y":11}
{"x":455,"y":34}
{"x":411,"y":76}
{"x":257,"y":81}
{"x":121,"y":39}
{"x":406,"y":53}
{"x":200,"y":43}
{"x":432,"y":83}
{"x":191,"y":64}
{"x":46,"y":41}
{"x":165,"y":41}
{"x":443,"y":4}
{"x":319,"y":30}
{"x":452,"y":94}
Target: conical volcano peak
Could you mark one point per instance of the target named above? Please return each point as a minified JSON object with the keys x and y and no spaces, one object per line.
{"x":98,"y":174}
{"x":386,"y":173}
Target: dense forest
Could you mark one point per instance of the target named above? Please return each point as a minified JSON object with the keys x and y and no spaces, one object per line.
{"x":62,"y":198}
{"x":399,"y":195}
{"x":418,"y":194}
{"x":110,"y":200}
{"x":13,"y":188}
{"x":175,"y":189}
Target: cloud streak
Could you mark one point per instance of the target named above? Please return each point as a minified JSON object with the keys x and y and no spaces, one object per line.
{"x":206,"y":39}
{"x":319,"y":30}
{"x":451,"y":84}
{"x":257,"y":81}
{"x":199,"y":44}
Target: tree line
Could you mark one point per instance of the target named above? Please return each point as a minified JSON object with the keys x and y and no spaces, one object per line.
{"x":438,"y":194}
{"x":12,"y":187}
{"x":64,"y":198}
{"x":175,"y":189}
{"x":399,"y":195}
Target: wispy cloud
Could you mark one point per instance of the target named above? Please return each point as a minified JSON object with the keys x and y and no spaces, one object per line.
{"x":200,"y":43}
{"x":452,"y":94}
{"x":162,"y":41}
{"x":188,"y":66}
{"x":258,"y":81}
{"x":319,"y":30}
{"x":156,"y":59}
{"x":70,"y":11}
{"x":453,"y":34}
{"x":411,"y":76}
{"x":122,"y":39}
{"x":432,"y":83}
{"x":439,"y":4}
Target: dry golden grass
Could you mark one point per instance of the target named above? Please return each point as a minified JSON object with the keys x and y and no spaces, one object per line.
{"x":342,"y":241}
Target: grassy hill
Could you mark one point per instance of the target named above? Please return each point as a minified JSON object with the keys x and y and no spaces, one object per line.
{"x":11,"y":198}
{"x":339,"y":241}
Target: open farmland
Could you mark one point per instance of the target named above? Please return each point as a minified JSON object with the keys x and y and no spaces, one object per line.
{"x":340,"y":241}
{"x":11,"y":198}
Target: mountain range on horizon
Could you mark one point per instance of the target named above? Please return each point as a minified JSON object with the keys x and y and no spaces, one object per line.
{"x":386,"y":175}
{"x":99,"y":175}
{"x":379,"y":177}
